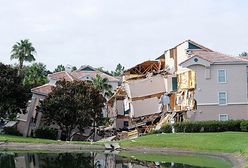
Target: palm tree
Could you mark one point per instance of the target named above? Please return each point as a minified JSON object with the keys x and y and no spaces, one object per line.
{"x":102,"y":85}
{"x":23,"y":51}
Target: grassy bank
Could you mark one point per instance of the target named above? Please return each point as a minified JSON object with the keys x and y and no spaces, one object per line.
{"x":20,"y":139}
{"x":231,"y":142}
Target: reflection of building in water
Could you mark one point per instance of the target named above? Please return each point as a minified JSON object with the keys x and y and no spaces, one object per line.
{"x":89,"y":160}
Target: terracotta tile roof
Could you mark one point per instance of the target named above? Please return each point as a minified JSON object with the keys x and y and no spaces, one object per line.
{"x":44,"y":89}
{"x":216,"y":57}
{"x":81,"y":74}
{"x":61,"y":75}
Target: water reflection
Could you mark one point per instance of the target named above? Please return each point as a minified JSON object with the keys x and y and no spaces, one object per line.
{"x":79,"y":160}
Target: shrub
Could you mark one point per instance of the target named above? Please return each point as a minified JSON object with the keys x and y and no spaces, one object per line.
{"x":208,"y":126}
{"x":244,"y":126}
{"x":11,"y":131}
{"x":164,"y":129}
{"x":46,"y":133}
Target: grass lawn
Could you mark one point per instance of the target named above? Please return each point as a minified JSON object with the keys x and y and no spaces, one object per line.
{"x":12,"y":138}
{"x":231,"y":142}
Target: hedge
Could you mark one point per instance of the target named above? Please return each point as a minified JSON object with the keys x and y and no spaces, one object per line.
{"x":244,"y":126}
{"x":11,"y":131}
{"x":164,"y":129}
{"x":206,"y":126}
{"x":46,"y":133}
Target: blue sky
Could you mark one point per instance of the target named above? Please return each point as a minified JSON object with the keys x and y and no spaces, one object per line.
{"x":107,"y":32}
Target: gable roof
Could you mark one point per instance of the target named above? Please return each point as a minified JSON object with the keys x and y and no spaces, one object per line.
{"x":86,"y":68}
{"x":193,"y":46}
{"x":216,"y":57}
{"x":63,"y":75}
{"x":43,"y":89}
{"x":81,"y":74}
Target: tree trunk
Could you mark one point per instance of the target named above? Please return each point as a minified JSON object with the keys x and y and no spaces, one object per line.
{"x":20,"y":67}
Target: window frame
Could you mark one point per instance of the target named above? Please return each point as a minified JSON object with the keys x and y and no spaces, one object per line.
{"x":224,"y":74}
{"x":225,"y":115}
{"x":219,"y":98}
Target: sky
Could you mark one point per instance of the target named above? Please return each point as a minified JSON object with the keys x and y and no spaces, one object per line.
{"x":103,"y":33}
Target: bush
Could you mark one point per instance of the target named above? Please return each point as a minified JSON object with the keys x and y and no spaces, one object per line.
{"x":208,"y":126}
{"x":244,"y":126}
{"x":46,"y":133}
{"x":164,"y":129}
{"x":11,"y":131}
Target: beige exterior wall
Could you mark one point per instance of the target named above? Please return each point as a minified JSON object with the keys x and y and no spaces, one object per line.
{"x":144,"y":87}
{"x":207,"y":89}
{"x":146,"y":107}
{"x":212,"y":112}
{"x":120,"y":122}
{"x":181,"y":56}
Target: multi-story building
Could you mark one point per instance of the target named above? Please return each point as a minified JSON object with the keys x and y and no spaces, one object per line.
{"x":221,"y":80}
{"x":32,"y":119}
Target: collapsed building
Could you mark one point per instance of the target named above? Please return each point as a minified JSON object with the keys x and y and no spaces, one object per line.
{"x":150,"y":95}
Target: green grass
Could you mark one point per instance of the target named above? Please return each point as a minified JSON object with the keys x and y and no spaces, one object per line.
{"x":20,"y":139}
{"x":231,"y":142}
{"x":195,"y":160}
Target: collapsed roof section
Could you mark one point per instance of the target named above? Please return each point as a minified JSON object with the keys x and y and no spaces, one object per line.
{"x":142,"y":69}
{"x":149,"y":90}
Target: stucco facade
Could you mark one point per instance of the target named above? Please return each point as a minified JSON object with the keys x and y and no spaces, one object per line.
{"x":210,"y":93}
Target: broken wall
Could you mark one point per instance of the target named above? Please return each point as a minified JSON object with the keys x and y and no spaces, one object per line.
{"x":144,"y":87}
{"x":146,"y":107}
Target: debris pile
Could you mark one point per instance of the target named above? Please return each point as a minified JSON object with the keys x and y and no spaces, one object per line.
{"x":150,"y":96}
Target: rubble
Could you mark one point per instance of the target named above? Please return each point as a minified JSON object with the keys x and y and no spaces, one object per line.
{"x":151,"y":96}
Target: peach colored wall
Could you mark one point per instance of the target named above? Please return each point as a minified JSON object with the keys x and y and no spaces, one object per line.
{"x":207,"y":89}
{"x":212,"y":112}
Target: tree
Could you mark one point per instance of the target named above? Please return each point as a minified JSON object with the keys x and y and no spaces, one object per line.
{"x":244,"y":54}
{"x":74,"y":68}
{"x":59,"y":68}
{"x":23,"y":51}
{"x":118,"y":70}
{"x":13,"y":95}
{"x":35,"y":75}
{"x":102,"y":85}
{"x":73,"y":105}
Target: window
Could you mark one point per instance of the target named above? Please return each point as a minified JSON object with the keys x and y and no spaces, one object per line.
{"x":221,"y":75}
{"x":222,"y":98}
{"x":125,"y":123}
{"x":223,"y":117}
{"x":126,"y":112}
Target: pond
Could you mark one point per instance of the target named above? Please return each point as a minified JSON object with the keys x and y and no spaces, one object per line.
{"x":107,"y":160}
